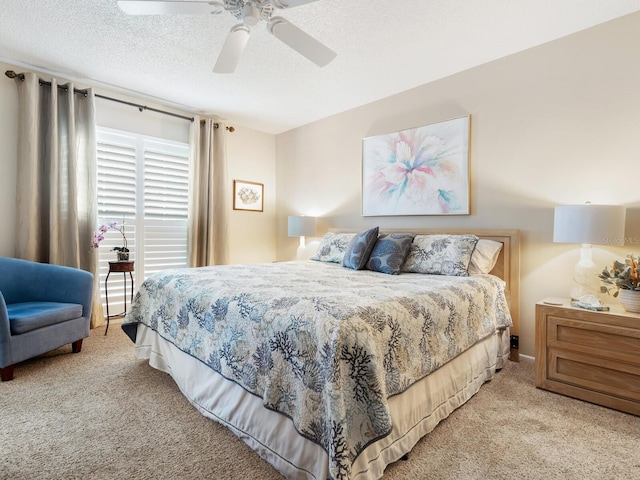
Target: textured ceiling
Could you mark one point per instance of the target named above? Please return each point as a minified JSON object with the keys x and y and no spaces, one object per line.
{"x":384,"y":47}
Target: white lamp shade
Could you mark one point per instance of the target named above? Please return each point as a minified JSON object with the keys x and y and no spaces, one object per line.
{"x":302,"y":226}
{"x":589,"y":224}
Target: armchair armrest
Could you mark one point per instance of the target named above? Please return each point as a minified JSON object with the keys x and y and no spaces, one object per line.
{"x":5,"y":328}
{"x":25,"y":281}
{"x":5,"y":334}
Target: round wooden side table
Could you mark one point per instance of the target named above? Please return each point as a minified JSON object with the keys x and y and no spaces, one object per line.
{"x":116,"y":267}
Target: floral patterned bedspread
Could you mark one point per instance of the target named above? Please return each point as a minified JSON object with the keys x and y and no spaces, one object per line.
{"x":322,"y":344}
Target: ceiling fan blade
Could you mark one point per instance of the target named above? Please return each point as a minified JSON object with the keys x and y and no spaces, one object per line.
{"x":301,"y":41}
{"x":142,"y":7}
{"x":232,"y":49}
{"x":290,"y":3}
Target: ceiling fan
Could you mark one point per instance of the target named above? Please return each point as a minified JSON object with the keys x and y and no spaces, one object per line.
{"x":249,"y":12}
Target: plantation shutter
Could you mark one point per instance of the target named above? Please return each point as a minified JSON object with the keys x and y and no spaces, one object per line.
{"x":166,"y":190}
{"x":143,"y":182}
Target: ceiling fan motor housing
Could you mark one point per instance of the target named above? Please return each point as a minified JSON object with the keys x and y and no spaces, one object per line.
{"x":250,"y":12}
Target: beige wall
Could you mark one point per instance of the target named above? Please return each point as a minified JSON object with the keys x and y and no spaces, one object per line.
{"x":251,"y":156}
{"x":253,"y":234}
{"x":557,"y":124}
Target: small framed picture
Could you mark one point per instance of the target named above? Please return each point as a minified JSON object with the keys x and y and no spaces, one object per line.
{"x":248,"y":196}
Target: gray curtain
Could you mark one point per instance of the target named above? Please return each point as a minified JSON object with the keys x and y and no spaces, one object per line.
{"x":56,"y":181}
{"x":209,"y":202}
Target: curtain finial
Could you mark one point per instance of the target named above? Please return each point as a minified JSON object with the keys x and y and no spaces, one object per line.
{"x":12,"y":74}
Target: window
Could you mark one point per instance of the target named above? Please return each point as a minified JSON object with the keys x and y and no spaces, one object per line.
{"x":143,"y":181}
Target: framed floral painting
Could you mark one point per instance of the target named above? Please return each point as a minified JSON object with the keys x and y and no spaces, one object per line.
{"x":420,"y":171}
{"x":248,"y":196}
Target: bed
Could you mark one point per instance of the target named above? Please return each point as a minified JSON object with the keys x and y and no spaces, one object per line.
{"x":327,"y":371}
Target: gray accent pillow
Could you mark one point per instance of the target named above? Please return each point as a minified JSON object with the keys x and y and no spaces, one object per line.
{"x":332,"y":247}
{"x":359,"y":249}
{"x":390,"y":252}
{"x":441,"y":254}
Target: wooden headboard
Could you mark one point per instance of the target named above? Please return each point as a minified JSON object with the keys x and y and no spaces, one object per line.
{"x":507,"y":267}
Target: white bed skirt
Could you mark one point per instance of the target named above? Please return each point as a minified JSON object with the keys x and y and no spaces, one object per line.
{"x":415,"y":412}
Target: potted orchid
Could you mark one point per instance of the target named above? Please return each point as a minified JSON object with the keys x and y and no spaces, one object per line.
{"x":98,"y":236}
{"x":625,"y":280}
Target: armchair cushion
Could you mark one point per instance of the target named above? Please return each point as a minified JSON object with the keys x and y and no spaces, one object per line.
{"x":27,"y":316}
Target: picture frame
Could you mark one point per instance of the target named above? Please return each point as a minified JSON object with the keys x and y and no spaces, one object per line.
{"x":248,"y":196}
{"x":419,"y":171}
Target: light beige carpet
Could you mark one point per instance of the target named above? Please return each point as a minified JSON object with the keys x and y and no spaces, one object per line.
{"x":102,"y":414}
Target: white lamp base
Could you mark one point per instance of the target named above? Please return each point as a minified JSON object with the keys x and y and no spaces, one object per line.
{"x":301,"y":253}
{"x":585,"y":275}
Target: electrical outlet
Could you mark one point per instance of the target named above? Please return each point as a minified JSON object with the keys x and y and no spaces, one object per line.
{"x":515,"y":341}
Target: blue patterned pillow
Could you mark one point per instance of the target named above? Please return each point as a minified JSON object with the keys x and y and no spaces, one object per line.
{"x":359,"y":249}
{"x":390,"y":252}
{"x":441,"y":254}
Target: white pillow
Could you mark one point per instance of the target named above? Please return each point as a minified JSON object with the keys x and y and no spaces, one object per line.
{"x":485,"y":256}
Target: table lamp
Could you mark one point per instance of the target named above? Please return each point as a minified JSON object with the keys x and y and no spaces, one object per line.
{"x":588,"y":224}
{"x":301,"y":226}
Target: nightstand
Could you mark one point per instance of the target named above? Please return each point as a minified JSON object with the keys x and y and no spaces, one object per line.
{"x":593,"y":356}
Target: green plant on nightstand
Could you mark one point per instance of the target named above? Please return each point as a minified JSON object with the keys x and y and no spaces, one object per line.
{"x":623,"y":278}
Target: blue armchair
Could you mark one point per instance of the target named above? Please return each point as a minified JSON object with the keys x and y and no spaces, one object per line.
{"x":42,"y":307}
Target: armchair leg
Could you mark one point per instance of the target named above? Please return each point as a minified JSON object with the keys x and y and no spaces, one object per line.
{"x":6,"y":373}
{"x":76,"y":346}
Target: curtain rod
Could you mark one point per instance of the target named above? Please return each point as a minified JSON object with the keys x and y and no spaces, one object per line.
{"x":20,"y":76}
